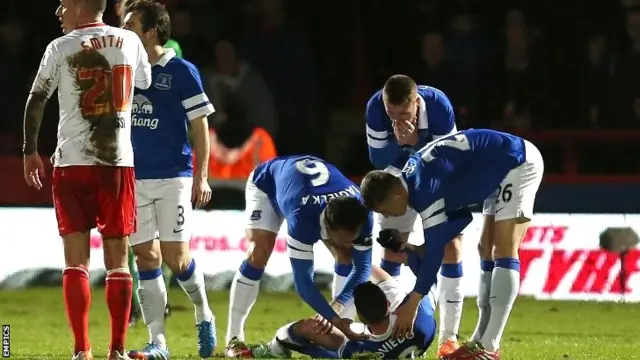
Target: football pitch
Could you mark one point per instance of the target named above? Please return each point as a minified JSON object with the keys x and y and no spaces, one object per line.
{"x":544,"y":330}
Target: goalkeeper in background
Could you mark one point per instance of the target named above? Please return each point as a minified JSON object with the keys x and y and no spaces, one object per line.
{"x":120,"y":7}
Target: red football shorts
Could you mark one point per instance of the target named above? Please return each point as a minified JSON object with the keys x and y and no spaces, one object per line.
{"x":86,"y":197}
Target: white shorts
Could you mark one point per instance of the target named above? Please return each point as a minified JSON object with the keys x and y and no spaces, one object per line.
{"x":259,"y":211}
{"x":403,"y":223}
{"x":517,"y":193}
{"x":164,"y":210}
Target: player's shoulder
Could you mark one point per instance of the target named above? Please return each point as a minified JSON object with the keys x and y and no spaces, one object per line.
{"x":375,"y":99}
{"x":431,"y":94}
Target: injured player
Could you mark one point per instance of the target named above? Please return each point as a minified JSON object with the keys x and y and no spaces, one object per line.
{"x":375,"y":303}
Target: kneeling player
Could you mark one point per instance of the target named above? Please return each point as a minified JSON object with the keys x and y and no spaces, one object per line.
{"x":319,"y":203}
{"x":375,"y":303}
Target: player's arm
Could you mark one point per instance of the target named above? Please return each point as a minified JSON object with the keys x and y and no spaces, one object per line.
{"x":442,"y":118}
{"x":384,"y":151}
{"x":361,"y":254}
{"x":45,"y":83}
{"x":143,"y":68}
{"x":197,"y":107}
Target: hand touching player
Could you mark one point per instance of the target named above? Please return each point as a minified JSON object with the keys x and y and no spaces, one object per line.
{"x":406,"y":315}
{"x":201,"y":192}
{"x":33,"y":170}
{"x":344,"y":325}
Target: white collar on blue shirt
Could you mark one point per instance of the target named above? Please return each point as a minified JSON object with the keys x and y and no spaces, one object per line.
{"x":423,"y":120}
{"x":324,"y":233}
{"x":168,"y":55}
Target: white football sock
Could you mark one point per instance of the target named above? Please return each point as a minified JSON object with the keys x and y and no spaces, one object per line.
{"x":244,"y":293}
{"x":484,"y":308}
{"x":283,"y":335}
{"x":505,"y":284}
{"x":450,"y":299}
{"x":196,"y":291}
{"x":153,"y":299}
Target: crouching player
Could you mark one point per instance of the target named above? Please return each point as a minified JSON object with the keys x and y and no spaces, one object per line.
{"x":375,"y":302}
{"x":402,"y":118}
{"x":445,"y":178}
{"x":319,"y":203}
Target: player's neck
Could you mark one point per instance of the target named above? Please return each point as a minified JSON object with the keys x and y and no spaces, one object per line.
{"x":88,"y":19}
{"x":379,"y":328}
{"x":155,"y":52}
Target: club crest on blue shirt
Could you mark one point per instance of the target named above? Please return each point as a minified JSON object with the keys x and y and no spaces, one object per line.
{"x":410,"y":166}
{"x":163,"y":82}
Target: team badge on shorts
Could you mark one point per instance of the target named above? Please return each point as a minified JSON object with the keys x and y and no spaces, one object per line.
{"x":163,"y":82}
{"x":255,"y":215}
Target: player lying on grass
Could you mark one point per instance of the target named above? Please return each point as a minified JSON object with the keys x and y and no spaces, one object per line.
{"x":445,"y":178}
{"x":375,"y":302}
{"x":319,"y":203}
{"x":402,"y":118}
{"x":167,"y":187}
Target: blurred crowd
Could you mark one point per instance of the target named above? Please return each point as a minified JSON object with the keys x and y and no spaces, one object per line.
{"x":288,"y":67}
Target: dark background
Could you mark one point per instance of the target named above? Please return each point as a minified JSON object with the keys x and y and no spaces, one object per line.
{"x":563,"y":73}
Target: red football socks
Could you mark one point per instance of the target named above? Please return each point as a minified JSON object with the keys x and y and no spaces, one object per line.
{"x":77,"y":299}
{"x":118,"y":293}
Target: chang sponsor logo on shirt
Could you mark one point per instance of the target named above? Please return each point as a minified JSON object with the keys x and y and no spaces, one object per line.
{"x":142,"y":113}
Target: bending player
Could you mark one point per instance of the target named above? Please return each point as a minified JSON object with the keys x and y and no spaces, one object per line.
{"x":167,"y":187}
{"x":446,"y":177}
{"x":415,"y":115}
{"x":319,"y":203}
{"x":95,"y":68}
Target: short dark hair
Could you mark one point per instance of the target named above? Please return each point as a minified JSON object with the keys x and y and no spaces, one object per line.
{"x":345,"y":213}
{"x":153,"y":15}
{"x":399,"y":89}
{"x":371,"y":302}
{"x":375,"y":187}
{"x":97,"y":6}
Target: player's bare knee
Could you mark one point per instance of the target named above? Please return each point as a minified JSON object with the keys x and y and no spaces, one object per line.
{"x":115,"y":253}
{"x":304,"y":328}
{"x":508,"y":234}
{"x":77,"y":249}
{"x":453,"y":251}
{"x":176,"y":255}
{"x":263,"y":243}
{"x":148,"y":255}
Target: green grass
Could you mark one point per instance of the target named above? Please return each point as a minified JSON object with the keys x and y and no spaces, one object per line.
{"x":544,"y":330}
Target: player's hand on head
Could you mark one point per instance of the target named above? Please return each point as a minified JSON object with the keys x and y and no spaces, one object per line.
{"x":201,"y":193}
{"x":344,"y":325}
{"x":33,"y":170}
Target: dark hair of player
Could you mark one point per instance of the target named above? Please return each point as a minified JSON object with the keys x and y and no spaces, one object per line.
{"x":345,"y":213}
{"x":153,"y":15}
{"x":399,"y":90}
{"x":375,"y":187}
{"x":371,"y":303}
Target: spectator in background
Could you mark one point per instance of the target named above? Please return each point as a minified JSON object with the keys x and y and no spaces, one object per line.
{"x":232,"y":75}
{"x":518,"y":95}
{"x":434,"y":69}
{"x":237,"y":146}
{"x":16,"y":70}
{"x":281,"y":55}
{"x":466,"y":48}
{"x":627,"y":69}
{"x":595,"y":81}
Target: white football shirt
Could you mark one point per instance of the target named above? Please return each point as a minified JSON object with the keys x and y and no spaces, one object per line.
{"x":95,"y":68}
